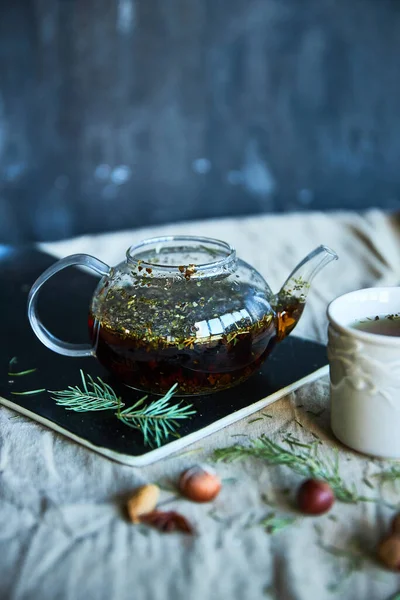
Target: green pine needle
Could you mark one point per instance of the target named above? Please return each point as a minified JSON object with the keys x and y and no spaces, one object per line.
{"x":273,"y":524}
{"x":300,"y":458}
{"x":21,"y":373}
{"x":13,"y":361}
{"x":28,"y":393}
{"x":93,"y":396}
{"x":158,"y":420}
{"x":393,"y":474}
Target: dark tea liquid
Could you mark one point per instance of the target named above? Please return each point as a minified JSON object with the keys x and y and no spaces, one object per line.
{"x":380,"y":324}
{"x":151,"y":339}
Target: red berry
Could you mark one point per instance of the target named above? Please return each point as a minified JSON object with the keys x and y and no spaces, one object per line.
{"x":315,"y":497}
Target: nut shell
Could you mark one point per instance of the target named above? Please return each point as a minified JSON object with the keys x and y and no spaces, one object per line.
{"x":389,"y":552}
{"x":143,"y":501}
{"x":315,"y":497}
{"x":200,"y":484}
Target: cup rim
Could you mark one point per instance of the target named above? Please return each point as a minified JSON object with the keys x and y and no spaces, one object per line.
{"x":364,"y":336}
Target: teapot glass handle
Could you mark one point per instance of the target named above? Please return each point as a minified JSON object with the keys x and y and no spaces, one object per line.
{"x":44,"y":335}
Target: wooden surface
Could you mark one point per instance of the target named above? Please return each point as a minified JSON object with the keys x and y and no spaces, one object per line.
{"x":123,"y":113}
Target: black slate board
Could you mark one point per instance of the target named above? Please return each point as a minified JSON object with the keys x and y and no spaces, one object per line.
{"x":63,"y":306}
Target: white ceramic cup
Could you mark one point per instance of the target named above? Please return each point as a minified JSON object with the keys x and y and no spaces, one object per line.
{"x":365,"y":373}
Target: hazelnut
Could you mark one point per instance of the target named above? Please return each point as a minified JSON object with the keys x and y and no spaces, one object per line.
{"x":315,"y":497}
{"x":143,"y":501}
{"x":200,"y":484}
{"x":389,"y":552}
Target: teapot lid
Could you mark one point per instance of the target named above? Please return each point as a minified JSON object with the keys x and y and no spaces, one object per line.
{"x":190,"y":255}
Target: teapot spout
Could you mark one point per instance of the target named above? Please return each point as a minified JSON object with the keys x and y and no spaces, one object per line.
{"x":290,"y":300}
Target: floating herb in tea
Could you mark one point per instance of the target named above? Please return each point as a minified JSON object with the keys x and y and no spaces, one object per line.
{"x":380,"y":324}
{"x":206,"y":334}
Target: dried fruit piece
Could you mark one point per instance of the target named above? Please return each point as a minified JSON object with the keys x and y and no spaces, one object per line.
{"x":143,"y":501}
{"x":167,"y":521}
{"x":200,"y":484}
{"x":315,"y":497}
{"x":389,"y":552}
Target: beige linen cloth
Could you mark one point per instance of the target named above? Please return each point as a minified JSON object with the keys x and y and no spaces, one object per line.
{"x":62,"y":531}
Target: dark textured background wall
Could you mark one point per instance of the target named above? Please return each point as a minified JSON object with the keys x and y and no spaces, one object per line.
{"x":120,"y":113}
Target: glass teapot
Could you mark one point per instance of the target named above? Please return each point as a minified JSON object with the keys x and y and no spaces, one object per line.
{"x":184,"y":310}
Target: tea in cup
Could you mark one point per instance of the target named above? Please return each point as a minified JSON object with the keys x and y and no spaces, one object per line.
{"x":364,"y":360}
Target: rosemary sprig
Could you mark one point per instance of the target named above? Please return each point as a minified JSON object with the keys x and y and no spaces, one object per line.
{"x":28,"y":393}
{"x":93,"y":397}
{"x":157,"y":420}
{"x":273,"y":524}
{"x":304,"y":461}
{"x":21,"y":373}
{"x":392,"y":475}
